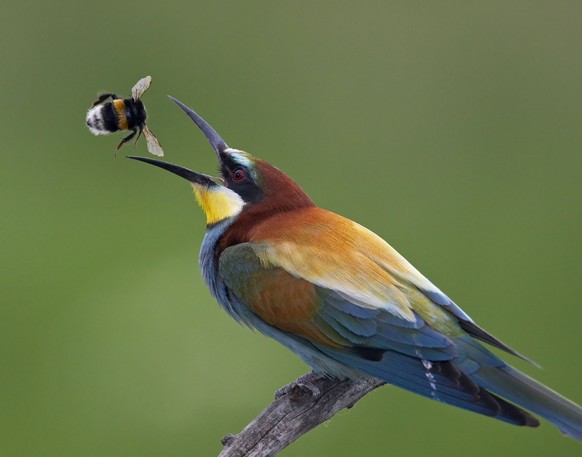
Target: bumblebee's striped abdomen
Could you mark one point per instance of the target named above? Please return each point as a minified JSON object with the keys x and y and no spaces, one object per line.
{"x":119,"y":107}
{"x":102,"y":119}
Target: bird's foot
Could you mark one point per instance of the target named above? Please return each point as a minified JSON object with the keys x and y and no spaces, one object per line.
{"x":296,"y":390}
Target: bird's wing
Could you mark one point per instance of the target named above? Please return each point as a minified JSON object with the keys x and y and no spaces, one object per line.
{"x":339,"y":254}
{"x":313,"y":252}
{"x":322,"y":315}
{"x":409,"y":353}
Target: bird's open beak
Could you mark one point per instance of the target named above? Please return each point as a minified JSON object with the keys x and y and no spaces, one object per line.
{"x":189,"y":175}
{"x":217,"y":143}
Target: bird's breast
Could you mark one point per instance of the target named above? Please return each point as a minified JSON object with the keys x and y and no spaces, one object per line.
{"x":208,"y":263}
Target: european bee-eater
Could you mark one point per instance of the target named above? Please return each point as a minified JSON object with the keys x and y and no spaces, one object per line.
{"x":343,"y":299}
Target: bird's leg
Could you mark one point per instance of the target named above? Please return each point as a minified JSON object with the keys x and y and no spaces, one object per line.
{"x":299,"y":387}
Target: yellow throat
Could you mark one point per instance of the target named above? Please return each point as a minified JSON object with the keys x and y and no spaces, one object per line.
{"x":218,"y":202}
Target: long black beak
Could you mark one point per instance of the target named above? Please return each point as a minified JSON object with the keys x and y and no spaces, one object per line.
{"x":217,"y":143}
{"x":189,"y":175}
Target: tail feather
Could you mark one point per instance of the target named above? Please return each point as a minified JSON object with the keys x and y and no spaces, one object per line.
{"x":518,"y":388}
{"x":441,"y":381}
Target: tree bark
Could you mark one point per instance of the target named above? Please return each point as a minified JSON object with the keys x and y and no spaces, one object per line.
{"x":297,"y":408}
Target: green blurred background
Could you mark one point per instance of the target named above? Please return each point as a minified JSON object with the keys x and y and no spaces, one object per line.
{"x":452,"y":129}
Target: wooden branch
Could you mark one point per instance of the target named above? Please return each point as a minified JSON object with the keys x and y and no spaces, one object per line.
{"x":297,"y":408}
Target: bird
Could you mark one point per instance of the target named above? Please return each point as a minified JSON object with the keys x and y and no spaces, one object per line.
{"x":344,"y":300}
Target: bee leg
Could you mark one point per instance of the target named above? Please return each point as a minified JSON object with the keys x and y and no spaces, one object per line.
{"x":127,"y":138}
{"x":137,"y":138}
{"x":104,"y":97}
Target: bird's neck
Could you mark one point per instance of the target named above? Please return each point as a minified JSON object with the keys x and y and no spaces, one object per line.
{"x":242,"y":227}
{"x":208,"y":263}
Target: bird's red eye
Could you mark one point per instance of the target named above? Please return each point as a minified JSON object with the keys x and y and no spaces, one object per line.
{"x":238,"y":174}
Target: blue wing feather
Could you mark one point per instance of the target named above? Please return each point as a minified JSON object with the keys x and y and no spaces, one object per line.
{"x":381,"y":329}
{"x":409,"y":353}
{"x":348,"y":325}
{"x":434,"y":380}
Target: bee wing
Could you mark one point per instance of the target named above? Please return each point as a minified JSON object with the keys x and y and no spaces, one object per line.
{"x":140,"y":87}
{"x":152,"y":142}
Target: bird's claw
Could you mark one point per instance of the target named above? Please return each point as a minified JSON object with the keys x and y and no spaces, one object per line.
{"x":300,"y":387}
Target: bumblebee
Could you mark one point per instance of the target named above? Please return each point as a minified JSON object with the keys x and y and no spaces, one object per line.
{"x":124,"y":114}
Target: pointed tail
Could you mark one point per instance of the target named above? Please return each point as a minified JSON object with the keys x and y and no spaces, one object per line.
{"x":526,"y":392}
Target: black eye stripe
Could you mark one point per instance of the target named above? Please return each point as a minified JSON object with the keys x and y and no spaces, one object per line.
{"x":241,"y":180}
